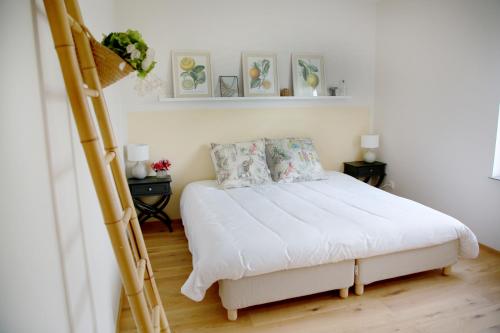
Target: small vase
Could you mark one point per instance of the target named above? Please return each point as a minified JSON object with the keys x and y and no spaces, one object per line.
{"x":161,"y":174}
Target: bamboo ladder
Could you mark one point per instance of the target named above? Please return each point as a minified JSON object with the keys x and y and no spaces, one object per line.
{"x":82,"y":82}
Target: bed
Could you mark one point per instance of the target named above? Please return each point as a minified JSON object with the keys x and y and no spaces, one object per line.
{"x":277,"y":241}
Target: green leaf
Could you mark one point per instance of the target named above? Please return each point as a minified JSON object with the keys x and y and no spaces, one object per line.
{"x":305,"y":72}
{"x":255,"y":83}
{"x":256,"y":65}
{"x":201,"y":78}
{"x":144,"y":71}
{"x":193,"y":75}
{"x":313,"y":68}
{"x":265,"y":67}
{"x":134,"y":35}
{"x":302,"y":63}
{"x":198,"y":69}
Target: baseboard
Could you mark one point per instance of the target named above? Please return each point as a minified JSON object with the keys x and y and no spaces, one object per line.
{"x":177,"y":221}
{"x":489,"y":249}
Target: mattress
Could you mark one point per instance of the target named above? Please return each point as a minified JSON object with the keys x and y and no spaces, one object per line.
{"x":250,"y":231}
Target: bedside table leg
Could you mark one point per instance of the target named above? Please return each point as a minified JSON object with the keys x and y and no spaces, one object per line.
{"x":380,"y":180}
{"x":166,"y":219}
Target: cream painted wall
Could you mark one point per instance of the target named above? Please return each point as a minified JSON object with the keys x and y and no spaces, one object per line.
{"x":437,"y":101}
{"x":58,"y":271}
{"x":184,"y":136}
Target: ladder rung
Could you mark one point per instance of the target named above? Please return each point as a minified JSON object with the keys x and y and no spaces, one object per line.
{"x":156,"y":319}
{"x":75,"y":25}
{"x":127,"y":215}
{"x":141,"y":269}
{"x":109,"y":156}
{"x":91,"y":92}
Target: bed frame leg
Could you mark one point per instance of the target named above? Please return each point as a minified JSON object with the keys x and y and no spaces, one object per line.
{"x":232,"y":315}
{"x":446,"y":270}
{"x":359,"y":289}
{"x":344,"y":292}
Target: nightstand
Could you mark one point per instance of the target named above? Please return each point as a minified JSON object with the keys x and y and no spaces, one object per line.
{"x":362,"y":169}
{"x":151,"y":186}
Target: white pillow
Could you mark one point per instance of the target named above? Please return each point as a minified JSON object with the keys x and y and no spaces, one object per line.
{"x":240,"y":164}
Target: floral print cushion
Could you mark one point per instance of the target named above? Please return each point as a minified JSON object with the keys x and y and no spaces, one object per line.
{"x":293,"y":160}
{"x":240,"y":164}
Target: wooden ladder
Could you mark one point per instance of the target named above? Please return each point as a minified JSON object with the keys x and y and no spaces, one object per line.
{"x":82,"y":82}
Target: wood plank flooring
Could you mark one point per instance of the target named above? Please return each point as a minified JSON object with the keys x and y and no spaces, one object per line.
{"x":466,"y":301}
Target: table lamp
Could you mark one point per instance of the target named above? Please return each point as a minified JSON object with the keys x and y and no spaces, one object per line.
{"x":138,"y":153}
{"x":369,"y":142}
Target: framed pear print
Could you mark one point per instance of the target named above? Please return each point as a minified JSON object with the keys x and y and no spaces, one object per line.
{"x":260,"y":74}
{"x":192,"y":74}
{"x":308,"y":75}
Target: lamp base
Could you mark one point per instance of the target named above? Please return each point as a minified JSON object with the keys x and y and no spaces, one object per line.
{"x":139,"y":170}
{"x":369,"y":156}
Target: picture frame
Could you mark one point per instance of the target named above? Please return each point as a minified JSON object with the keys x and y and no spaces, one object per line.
{"x":260,"y":74}
{"x":229,"y":86}
{"x":308,"y":71}
{"x":192,"y":74}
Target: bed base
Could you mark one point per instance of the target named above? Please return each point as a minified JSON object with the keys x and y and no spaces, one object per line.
{"x":392,"y":265}
{"x":276,"y":286}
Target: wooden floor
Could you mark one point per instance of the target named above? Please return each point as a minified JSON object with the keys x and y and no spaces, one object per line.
{"x":466,"y":301}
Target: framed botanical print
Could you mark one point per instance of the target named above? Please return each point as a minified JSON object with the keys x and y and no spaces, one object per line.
{"x":260,"y":74}
{"x":229,"y":86}
{"x":308,"y":75}
{"x":192,"y":74}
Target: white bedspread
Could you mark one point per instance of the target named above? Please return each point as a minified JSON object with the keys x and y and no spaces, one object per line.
{"x":255,"y":230}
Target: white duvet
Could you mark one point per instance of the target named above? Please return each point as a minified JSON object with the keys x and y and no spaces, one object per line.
{"x":255,"y":230}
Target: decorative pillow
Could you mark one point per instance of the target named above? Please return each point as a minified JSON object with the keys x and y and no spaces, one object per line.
{"x":240,"y":164}
{"x":293,"y":160}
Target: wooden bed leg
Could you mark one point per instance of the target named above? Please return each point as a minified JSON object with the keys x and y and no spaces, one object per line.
{"x":344,"y":292}
{"x":232,"y":315}
{"x":446,"y":270}
{"x":359,"y":289}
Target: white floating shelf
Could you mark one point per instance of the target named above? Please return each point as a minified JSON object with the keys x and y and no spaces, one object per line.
{"x":256,"y":99}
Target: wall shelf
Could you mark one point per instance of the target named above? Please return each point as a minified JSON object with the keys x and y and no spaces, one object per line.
{"x":255,"y":99}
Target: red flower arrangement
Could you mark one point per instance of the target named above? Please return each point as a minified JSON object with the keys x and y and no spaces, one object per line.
{"x":161,"y":165}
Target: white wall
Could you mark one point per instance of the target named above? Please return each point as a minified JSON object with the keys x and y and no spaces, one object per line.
{"x":343,"y":31}
{"x":436,"y":105}
{"x":58,"y":271}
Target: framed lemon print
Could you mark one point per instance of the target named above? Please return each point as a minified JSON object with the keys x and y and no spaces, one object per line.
{"x":308,"y":75}
{"x":260,"y":74}
{"x":192,"y":74}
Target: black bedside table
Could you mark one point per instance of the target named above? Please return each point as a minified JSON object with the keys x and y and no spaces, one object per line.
{"x":360,"y":169}
{"x":151,"y":186}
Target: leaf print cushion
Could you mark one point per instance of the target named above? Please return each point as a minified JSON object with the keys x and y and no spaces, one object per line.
{"x":240,"y":164}
{"x":293,"y":160}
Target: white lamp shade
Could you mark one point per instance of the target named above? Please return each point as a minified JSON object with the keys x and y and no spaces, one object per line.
{"x":138,"y":152}
{"x":369,"y":141}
